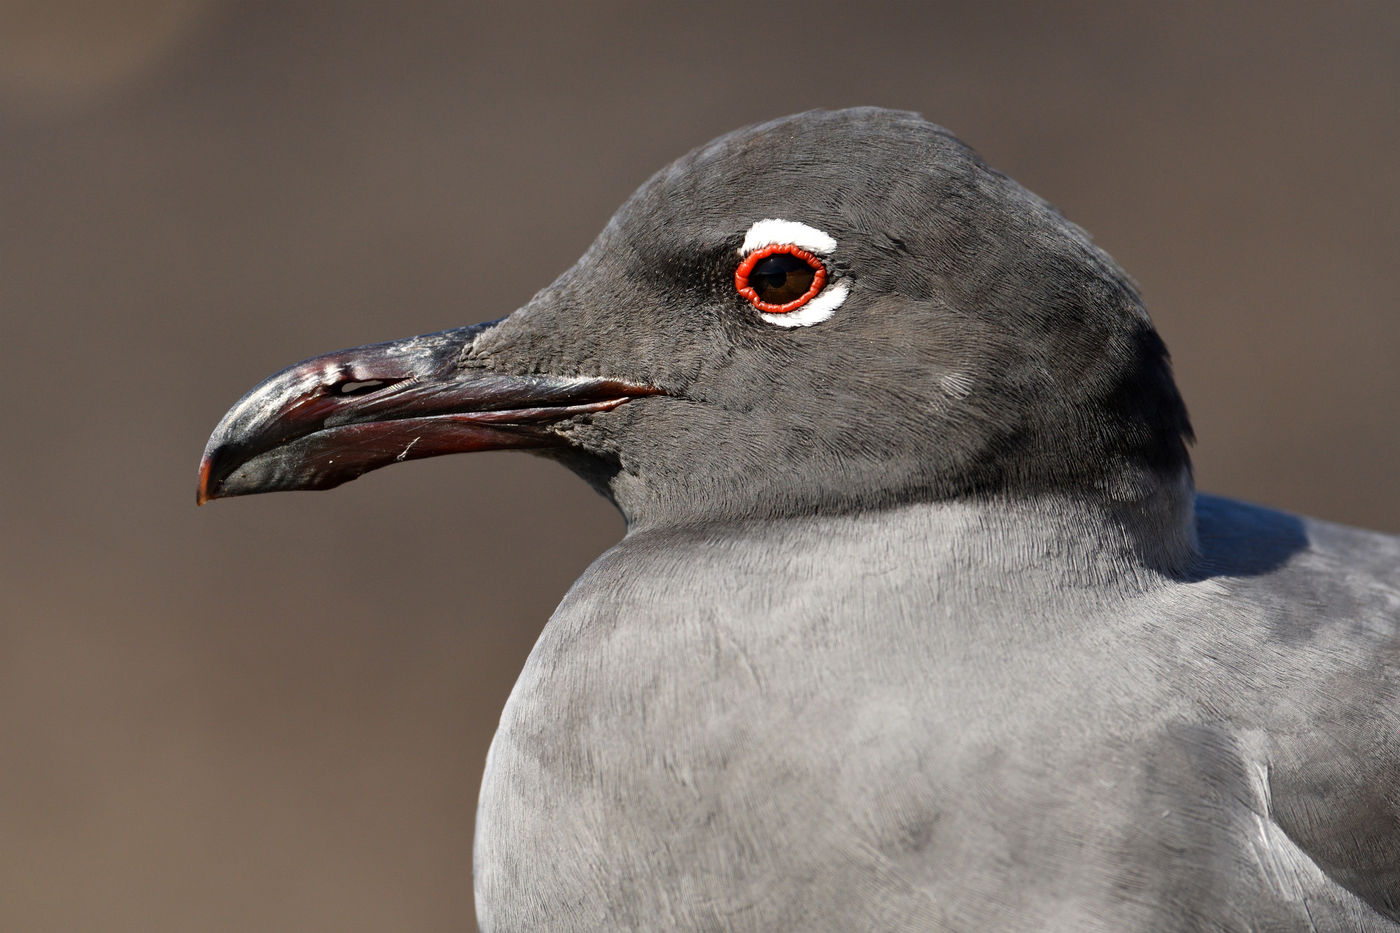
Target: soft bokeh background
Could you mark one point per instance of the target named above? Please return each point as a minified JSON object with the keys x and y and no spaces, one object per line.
{"x":271,"y":713}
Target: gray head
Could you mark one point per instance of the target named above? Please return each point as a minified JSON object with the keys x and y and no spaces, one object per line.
{"x":833,"y":311}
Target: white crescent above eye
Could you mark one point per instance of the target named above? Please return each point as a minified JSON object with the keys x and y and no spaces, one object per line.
{"x":774,"y":231}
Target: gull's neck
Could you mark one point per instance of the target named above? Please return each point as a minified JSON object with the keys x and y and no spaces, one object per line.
{"x":1058,"y":539}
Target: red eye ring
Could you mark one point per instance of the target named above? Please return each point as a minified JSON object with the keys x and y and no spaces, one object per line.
{"x":741,"y":277}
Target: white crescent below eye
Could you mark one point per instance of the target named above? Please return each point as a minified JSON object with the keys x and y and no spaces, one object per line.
{"x":813,"y":312}
{"x":787,"y":233}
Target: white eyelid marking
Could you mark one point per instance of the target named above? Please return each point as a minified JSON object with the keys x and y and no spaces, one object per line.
{"x":773,"y":232}
{"x":813,"y":312}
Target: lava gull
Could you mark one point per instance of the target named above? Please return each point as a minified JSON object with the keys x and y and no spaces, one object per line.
{"x":918,"y":622}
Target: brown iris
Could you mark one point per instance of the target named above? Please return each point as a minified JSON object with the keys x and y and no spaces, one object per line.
{"x":780,"y":278}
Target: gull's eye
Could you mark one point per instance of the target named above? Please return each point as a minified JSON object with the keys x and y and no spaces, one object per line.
{"x":780,"y":278}
{"x":783,"y":273}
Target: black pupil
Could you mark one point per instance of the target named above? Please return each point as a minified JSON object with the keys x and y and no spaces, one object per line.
{"x":781,"y":278}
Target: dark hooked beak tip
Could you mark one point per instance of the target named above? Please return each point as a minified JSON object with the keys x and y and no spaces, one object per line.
{"x":201,"y":491}
{"x":327,"y":420}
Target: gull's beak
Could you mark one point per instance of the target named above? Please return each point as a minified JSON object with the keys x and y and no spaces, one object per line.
{"x":327,"y":420}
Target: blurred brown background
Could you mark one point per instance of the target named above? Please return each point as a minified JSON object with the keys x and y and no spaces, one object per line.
{"x":271,"y":714}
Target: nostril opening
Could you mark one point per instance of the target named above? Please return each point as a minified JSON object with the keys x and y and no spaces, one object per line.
{"x":360,"y":387}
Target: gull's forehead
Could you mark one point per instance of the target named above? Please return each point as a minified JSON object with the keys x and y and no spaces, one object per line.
{"x":833,"y":171}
